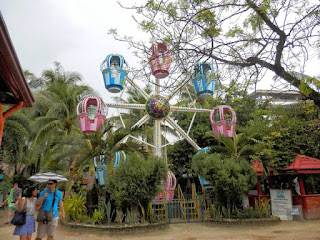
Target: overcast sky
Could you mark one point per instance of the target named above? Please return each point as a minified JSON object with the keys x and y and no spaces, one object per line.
{"x":72,"y":32}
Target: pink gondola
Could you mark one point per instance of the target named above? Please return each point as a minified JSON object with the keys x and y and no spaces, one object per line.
{"x":160,"y":60}
{"x":169,"y":186}
{"x":91,"y":111}
{"x":160,"y":196}
{"x":223,"y":121}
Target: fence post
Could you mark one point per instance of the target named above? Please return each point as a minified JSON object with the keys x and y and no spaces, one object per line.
{"x":188,"y":215}
{"x":201,"y":210}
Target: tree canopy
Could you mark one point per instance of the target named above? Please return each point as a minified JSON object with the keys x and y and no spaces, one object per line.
{"x":244,"y":38}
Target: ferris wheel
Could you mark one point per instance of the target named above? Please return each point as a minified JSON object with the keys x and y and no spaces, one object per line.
{"x":157,"y":105}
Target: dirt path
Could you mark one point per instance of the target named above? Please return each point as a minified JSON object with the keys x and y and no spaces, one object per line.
{"x":191,"y":231}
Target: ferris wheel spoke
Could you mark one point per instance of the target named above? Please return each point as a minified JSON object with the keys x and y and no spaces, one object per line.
{"x":187,"y":109}
{"x":192,"y":120}
{"x":182,"y":132}
{"x":143,"y":93}
{"x":143,"y":120}
{"x":172,"y":143}
{"x":126,"y":105}
{"x":177,"y":89}
{"x":140,"y":140}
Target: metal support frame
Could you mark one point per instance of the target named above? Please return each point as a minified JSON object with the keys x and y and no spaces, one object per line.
{"x":192,"y":120}
{"x":126,"y":105}
{"x":177,"y":89}
{"x":121,"y":119}
{"x":143,"y":93}
{"x":142,"y":121}
{"x":187,"y":109}
{"x":157,"y":135}
{"x":140,"y":140}
{"x":182,"y":132}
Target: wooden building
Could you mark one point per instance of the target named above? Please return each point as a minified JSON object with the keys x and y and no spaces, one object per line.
{"x":14,"y":90}
{"x":302,"y":177}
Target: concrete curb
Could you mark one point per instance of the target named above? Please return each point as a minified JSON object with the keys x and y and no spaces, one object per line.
{"x":116,"y":227}
{"x":253,"y":221}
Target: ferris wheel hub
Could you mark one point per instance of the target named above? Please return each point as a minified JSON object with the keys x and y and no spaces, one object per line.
{"x":158,"y":107}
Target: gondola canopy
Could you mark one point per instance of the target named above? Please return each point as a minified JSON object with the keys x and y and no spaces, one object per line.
{"x":114,"y":71}
{"x":91,"y":111}
{"x":169,"y":186}
{"x":203,"y":79}
{"x":223,"y":121}
{"x":160,"y":60}
{"x":101,"y":169}
{"x":120,"y":156}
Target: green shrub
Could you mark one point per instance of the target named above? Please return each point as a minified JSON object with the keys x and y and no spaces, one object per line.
{"x":136,"y":182}
{"x":75,"y":206}
{"x":97,"y":217}
{"x":261,"y":210}
{"x":230,"y":179}
{"x":109,"y":214}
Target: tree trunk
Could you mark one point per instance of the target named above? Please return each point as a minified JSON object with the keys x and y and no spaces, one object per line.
{"x":92,"y":196}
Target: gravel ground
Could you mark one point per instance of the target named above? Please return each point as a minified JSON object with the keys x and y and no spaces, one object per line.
{"x":189,"y":231}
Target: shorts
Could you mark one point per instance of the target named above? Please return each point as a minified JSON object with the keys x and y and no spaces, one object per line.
{"x":47,"y":229}
{"x":12,"y":207}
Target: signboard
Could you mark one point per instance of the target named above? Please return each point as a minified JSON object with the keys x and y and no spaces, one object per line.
{"x":281,"y":203}
{"x":295,"y":211}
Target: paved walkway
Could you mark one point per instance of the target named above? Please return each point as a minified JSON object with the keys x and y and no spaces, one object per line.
{"x":190,"y":231}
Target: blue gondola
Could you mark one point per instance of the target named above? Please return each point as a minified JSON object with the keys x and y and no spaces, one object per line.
{"x":205,"y":184}
{"x":114,"y":71}
{"x":101,"y":169}
{"x":203,"y":80}
{"x":119,"y":156}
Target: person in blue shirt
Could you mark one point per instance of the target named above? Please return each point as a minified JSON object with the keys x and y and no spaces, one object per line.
{"x":45,"y":201}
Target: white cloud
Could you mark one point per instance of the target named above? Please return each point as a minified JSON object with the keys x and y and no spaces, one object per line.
{"x":72,"y":32}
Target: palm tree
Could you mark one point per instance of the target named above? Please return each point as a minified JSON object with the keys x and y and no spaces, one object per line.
{"x":237,"y":147}
{"x":58,"y":75}
{"x":16,"y":140}
{"x":105,"y":142}
{"x":54,"y":111}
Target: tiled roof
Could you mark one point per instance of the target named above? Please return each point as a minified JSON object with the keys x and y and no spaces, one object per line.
{"x":256,"y":165}
{"x":304,"y":162}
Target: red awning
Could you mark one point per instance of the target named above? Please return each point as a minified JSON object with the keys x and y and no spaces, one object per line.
{"x":302,"y":162}
{"x":257,"y":167}
{"x":13,"y":85}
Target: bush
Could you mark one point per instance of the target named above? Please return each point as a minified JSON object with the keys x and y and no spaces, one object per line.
{"x":136,"y":181}
{"x":97,"y":217}
{"x":75,"y":206}
{"x":261,"y":210}
{"x":230,"y":179}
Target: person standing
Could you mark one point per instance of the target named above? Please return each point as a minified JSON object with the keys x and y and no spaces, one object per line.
{"x":48,"y":197}
{"x":14,"y":195}
{"x":28,"y":204}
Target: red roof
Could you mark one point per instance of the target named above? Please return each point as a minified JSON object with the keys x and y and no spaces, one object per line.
{"x":303,"y":162}
{"x":257,"y":167}
{"x":13,"y":85}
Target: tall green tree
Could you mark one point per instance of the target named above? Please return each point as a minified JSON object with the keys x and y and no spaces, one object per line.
{"x":17,"y":138}
{"x":284,"y":131}
{"x":230,"y":179}
{"x":251,"y":37}
{"x":54,"y":113}
{"x":237,"y":147}
{"x":241,"y":102}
